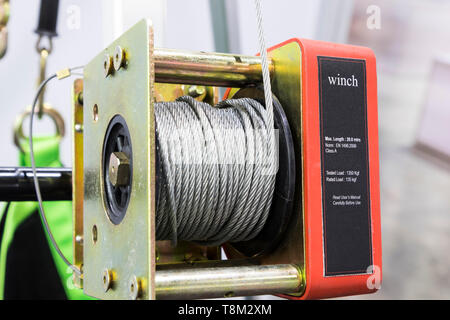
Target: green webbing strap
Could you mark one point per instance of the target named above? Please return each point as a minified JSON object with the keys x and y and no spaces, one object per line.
{"x":58,"y":213}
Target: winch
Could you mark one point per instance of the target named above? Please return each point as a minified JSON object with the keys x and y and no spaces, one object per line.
{"x":180,"y":193}
{"x":303,"y":222}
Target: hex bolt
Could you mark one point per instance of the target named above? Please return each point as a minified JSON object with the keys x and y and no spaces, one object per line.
{"x":196,"y":91}
{"x":108,"y":66}
{"x":107,"y":279}
{"x":119,"y":169}
{"x":135,"y":288}
{"x":119,"y":58}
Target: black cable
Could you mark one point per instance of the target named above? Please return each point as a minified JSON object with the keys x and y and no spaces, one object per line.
{"x":33,"y":166}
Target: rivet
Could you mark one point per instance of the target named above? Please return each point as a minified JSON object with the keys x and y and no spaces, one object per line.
{"x":108,"y":66}
{"x":135,"y":288}
{"x":107,"y":279}
{"x":119,"y":58}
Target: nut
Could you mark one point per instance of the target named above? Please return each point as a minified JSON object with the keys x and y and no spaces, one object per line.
{"x":119,"y":169}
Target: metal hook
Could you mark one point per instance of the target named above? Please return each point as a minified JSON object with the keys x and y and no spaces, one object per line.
{"x":48,"y":110}
{"x":40,"y":47}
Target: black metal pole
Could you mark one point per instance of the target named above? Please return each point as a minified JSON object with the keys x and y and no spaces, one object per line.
{"x":16,"y":184}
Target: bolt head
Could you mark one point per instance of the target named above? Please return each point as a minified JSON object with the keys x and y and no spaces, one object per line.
{"x":119,"y":58}
{"x":107,"y":279}
{"x":79,"y":98}
{"x":135,"y":288}
{"x":108,"y":66}
{"x":119,"y":169}
{"x":196,"y":91}
{"x":79,"y":239}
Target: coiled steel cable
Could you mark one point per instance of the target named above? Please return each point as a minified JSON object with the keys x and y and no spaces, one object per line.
{"x":219,"y":166}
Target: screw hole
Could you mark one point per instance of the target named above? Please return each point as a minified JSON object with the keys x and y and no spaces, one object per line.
{"x":94,"y":234}
{"x":95,"y":113}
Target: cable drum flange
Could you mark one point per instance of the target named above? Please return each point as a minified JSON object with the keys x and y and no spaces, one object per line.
{"x":283,"y":198}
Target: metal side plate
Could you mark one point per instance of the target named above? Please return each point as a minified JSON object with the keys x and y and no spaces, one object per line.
{"x":127,"y":250}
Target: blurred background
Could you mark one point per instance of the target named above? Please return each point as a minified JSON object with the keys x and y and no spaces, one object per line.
{"x":411,"y":39}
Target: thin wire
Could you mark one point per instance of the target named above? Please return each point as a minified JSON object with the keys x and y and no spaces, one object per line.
{"x":76,"y":68}
{"x":35,"y":179}
{"x":264,"y":61}
{"x":268,"y":97}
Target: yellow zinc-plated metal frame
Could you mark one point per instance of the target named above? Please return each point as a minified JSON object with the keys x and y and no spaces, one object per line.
{"x":77,"y":178}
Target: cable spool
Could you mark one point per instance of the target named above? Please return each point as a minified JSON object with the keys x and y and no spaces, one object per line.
{"x":217,"y":175}
{"x":237,"y":210}
{"x":219,"y":167}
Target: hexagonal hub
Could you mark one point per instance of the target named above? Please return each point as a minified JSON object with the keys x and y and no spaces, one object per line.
{"x":119,"y":169}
